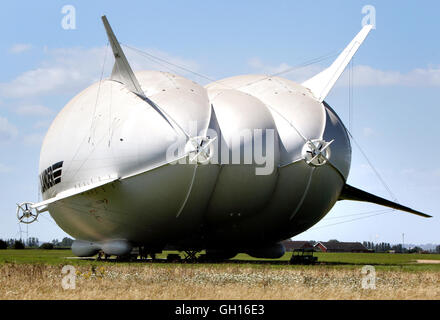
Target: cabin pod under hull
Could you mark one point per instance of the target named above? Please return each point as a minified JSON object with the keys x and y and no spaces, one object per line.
{"x":119,"y":248}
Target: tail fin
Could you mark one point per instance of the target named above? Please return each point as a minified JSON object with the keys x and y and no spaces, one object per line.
{"x":122,"y":71}
{"x":352,"y":193}
{"x":323,"y":82}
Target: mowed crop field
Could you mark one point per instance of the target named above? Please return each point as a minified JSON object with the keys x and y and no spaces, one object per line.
{"x":37,"y":274}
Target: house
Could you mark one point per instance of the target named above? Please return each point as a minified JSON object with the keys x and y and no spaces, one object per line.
{"x":337,"y":246}
{"x":295,"y":245}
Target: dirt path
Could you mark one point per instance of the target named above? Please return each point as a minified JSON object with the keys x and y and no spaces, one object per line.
{"x":429,"y":261}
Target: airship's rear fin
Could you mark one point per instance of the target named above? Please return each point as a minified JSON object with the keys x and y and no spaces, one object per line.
{"x":352,"y":193}
{"x":122,"y":71}
{"x":323,"y":82}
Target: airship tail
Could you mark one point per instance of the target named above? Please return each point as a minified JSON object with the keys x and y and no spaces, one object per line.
{"x":321,"y":84}
{"x":352,"y":193}
{"x":122,"y":71}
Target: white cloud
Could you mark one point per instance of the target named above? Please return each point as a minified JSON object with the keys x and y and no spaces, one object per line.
{"x":298,"y":74}
{"x":363,"y":76}
{"x":139,"y":61}
{"x":7,"y":130}
{"x":69,"y":70}
{"x":19,"y":48}
{"x":33,"y":110}
{"x":256,"y":63}
{"x":368,"y":132}
{"x":33,"y":139}
{"x":42,"y":124}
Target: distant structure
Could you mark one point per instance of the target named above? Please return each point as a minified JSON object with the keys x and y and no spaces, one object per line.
{"x":336,"y":246}
{"x":297,"y":245}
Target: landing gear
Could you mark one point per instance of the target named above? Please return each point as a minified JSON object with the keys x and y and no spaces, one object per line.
{"x":174,"y":257}
{"x":144,"y":253}
{"x":126,"y":258}
{"x":190,"y":256}
{"x":102,"y":256}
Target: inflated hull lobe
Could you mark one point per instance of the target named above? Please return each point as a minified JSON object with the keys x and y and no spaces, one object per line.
{"x":216,"y":202}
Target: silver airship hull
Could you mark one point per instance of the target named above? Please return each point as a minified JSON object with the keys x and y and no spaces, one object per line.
{"x":153,"y":159}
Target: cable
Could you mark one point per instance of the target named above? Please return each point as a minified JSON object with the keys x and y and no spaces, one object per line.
{"x":350,"y":96}
{"x":355,"y":214}
{"x":48,"y":219}
{"x":154,"y":58}
{"x":99,"y":89}
{"x":334,"y":224}
{"x":93,"y":120}
{"x":170,"y":63}
{"x":350,"y":129}
{"x":297,"y":67}
{"x":374,"y":169}
{"x":85,"y":137}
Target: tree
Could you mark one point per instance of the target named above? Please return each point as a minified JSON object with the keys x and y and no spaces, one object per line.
{"x":32,"y":242}
{"x":66,"y":242}
{"x":415,"y":250}
{"x":18,"y":245}
{"x":437,"y":249}
{"x":3,"y":245}
{"x":47,"y":246}
{"x":10,"y":243}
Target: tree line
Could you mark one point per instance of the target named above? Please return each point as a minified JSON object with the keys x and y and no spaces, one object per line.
{"x":33,"y":242}
{"x":386,"y":247}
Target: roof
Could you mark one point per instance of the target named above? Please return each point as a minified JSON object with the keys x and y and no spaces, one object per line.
{"x":346,"y":246}
{"x":289,"y":244}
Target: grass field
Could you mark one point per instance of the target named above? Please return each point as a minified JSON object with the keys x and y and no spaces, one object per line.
{"x":36,"y":274}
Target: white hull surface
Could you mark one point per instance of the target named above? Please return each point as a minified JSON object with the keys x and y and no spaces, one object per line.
{"x":159,"y":203}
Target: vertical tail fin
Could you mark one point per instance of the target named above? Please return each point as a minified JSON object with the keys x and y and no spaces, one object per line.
{"x":122,"y":71}
{"x":323,"y":82}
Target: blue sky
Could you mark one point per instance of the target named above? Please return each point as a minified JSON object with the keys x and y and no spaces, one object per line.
{"x":396,"y":77}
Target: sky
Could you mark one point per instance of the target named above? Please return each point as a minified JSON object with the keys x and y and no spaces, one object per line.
{"x":394,"y":109}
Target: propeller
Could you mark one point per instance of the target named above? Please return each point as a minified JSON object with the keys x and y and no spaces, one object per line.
{"x":202,"y":149}
{"x":26,"y":213}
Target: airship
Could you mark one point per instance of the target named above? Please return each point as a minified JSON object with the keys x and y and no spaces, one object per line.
{"x":150,"y":160}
